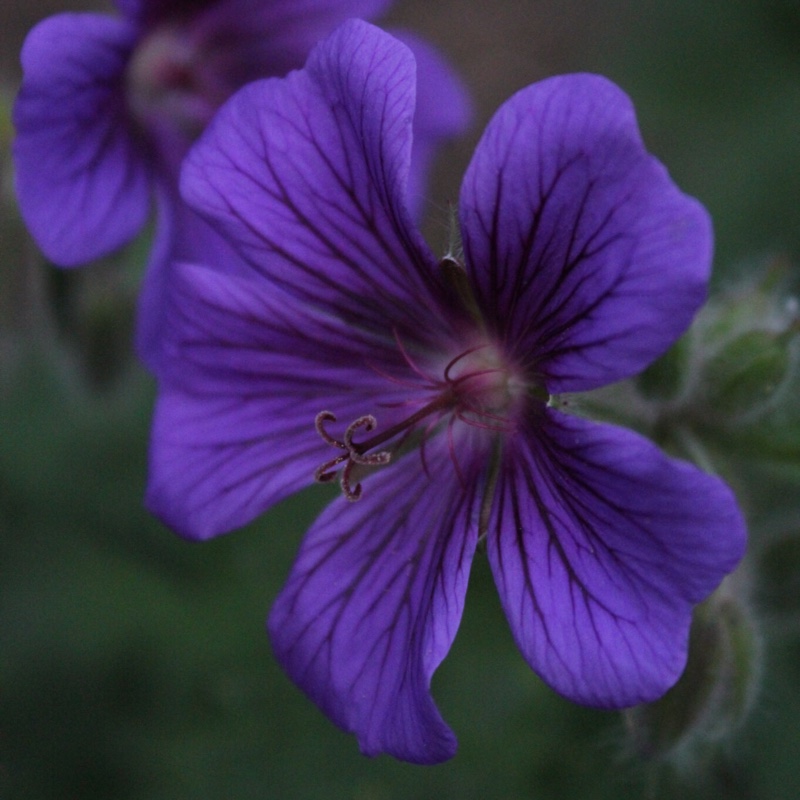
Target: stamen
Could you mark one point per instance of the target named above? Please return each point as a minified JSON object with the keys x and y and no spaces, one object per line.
{"x":503,"y":425}
{"x":428,"y":382}
{"x":458,"y":358}
{"x":408,"y":358}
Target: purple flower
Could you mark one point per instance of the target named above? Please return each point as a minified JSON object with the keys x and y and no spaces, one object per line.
{"x":109,"y":107}
{"x":429,"y":388}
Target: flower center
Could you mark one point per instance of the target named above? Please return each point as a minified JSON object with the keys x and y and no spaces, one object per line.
{"x":170,"y":82}
{"x":477,"y":388}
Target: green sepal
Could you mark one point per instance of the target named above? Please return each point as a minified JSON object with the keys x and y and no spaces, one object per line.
{"x":746,"y":373}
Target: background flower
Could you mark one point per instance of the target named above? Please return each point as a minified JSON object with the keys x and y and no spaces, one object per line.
{"x":109,"y":106}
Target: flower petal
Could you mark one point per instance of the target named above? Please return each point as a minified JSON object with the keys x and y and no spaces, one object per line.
{"x":600,"y":545}
{"x":373,"y":603}
{"x":216,"y":463}
{"x":307,"y":176}
{"x":586,"y":257}
{"x":245,"y":371}
{"x":83,"y":179}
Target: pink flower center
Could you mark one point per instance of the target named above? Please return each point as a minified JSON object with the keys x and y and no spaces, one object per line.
{"x":478,"y":388}
{"x":171,"y":82}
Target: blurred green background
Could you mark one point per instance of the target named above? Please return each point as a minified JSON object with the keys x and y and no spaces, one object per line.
{"x":135,"y":665}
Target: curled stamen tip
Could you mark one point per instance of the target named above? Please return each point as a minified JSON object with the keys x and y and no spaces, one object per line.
{"x":319,"y":420}
{"x":323,"y":416}
{"x":326,"y":472}
{"x":353,"y":494}
{"x":367,"y":422}
{"x":322,"y":476}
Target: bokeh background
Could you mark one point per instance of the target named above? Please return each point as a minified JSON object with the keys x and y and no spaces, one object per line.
{"x":135,"y":665}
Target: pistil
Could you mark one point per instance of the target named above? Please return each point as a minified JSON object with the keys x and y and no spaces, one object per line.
{"x":476,"y":387}
{"x":357,"y":453}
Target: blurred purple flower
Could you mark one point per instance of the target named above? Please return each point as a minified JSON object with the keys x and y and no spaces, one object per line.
{"x":109,"y":107}
{"x":427,"y":386}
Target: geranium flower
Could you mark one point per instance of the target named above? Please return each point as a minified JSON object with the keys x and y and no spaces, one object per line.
{"x":430,"y":388}
{"x":110,"y":105}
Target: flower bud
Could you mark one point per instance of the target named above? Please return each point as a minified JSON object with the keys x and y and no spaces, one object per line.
{"x":716,"y":690}
{"x":746,"y":347}
{"x":746,"y":373}
{"x":729,"y":379}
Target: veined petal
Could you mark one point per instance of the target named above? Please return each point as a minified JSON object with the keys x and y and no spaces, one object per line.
{"x":307,"y":175}
{"x":83,"y":179}
{"x":244,"y":374}
{"x":226,"y":330}
{"x":600,"y":545}
{"x":587,"y":259}
{"x":216,"y":463}
{"x":373,"y":603}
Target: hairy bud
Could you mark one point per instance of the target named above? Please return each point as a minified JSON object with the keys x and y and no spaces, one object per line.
{"x":716,"y":690}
